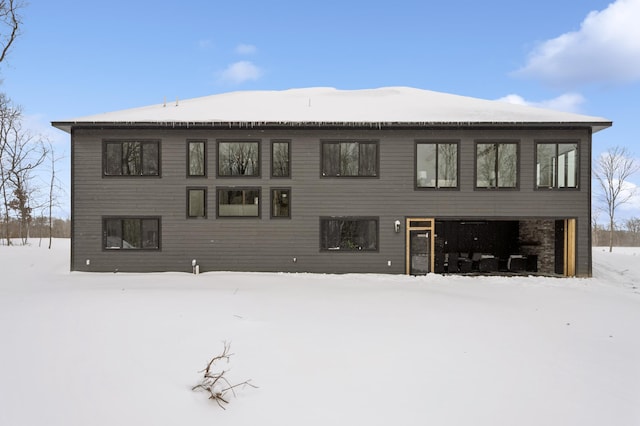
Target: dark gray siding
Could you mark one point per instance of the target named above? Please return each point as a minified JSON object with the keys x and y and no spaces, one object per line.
{"x":267,"y":244}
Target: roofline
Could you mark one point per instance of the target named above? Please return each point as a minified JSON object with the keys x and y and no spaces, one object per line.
{"x":68,"y":125}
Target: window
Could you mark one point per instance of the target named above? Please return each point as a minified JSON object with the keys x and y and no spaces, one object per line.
{"x":131,"y":158}
{"x":280,"y":202}
{"x":496,"y":165}
{"x":197,"y":159}
{"x":349,"y":234}
{"x":238,"y":159}
{"x":196,"y":202}
{"x":280,"y":159}
{"x":239,"y":202}
{"x":436,"y":165}
{"x":557,"y":165}
{"x":350,"y":159}
{"x":131,"y":233}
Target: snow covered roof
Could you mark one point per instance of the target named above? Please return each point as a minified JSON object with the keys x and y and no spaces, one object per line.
{"x":321,"y":106}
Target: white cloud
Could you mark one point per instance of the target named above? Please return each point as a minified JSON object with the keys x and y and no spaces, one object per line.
{"x":631,"y":190}
{"x":239,"y":72}
{"x":606,"y":49}
{"x":246,"y":49}
{"x":568,"y":102}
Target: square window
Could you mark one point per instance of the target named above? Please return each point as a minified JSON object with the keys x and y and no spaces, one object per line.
{"x":238,"y":159}
{"x":436,"y":165}
{"x":497,"y":165}
{"x":557,"y":165}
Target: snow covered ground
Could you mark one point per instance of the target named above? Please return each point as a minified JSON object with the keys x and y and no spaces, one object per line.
{"x":125,"y":349}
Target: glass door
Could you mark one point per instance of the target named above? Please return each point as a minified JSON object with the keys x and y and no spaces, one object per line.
{"x":419,"y":246}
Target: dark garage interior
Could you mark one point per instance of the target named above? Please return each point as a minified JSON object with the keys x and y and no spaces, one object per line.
{"x":499,"y":246}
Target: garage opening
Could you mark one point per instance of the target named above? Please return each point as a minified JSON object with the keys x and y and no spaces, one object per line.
{"x":532,"y":246}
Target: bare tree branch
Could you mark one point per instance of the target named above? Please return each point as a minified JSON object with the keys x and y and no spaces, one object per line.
{"x":215,"y":383}
{"x":11,"y":20}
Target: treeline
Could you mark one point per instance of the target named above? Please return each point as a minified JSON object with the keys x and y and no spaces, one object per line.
{"x":626,"y":234}
{"x":15,"y":233}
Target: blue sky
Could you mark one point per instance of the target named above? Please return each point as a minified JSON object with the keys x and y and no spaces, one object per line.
{"x":81,"y":58}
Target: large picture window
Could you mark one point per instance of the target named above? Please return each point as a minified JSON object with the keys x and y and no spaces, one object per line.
{"x":436,"y":165}
{"x":238,"y":159}
{"x":196,"y":202}
{"x":280,"y":159}
{"x":131,"y":158}
{"x":196,"y":159}
{"x":557,"y":165}
{"x":349,"y":234}
{"x":496,"y":165}
{"x":131,"y":233}
{"x":345,"y":159}
{"x":238,"y":202}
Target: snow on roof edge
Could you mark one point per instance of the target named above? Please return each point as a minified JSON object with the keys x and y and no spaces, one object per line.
{"x":330,"y":107}
{"x":67,"y":125}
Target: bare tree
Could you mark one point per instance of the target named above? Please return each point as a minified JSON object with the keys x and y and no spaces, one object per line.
{"x":54,"y":187}
{"x":20,"y":155}
{"x":10,"y":22}
{"x":10,"y":116}
{"x":612,"y":171}
{"x":24,"y":154}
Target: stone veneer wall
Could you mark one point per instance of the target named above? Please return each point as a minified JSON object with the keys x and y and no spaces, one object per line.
{"x":538,"y":238}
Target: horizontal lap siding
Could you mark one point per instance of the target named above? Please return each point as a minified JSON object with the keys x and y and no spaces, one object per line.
{"x":267,"y":244}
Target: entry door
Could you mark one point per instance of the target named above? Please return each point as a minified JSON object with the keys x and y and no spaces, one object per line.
{"x":419,"y":245}
{"x":420,"y":252}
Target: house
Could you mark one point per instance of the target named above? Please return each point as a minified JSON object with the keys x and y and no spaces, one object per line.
{"x":391,"y":180}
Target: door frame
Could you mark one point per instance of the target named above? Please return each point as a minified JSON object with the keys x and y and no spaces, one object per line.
{"x":419,"y":224}
{"x":569,"y":248}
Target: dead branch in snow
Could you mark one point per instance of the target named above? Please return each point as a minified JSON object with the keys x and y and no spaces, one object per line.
{"x":215,"y":383}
